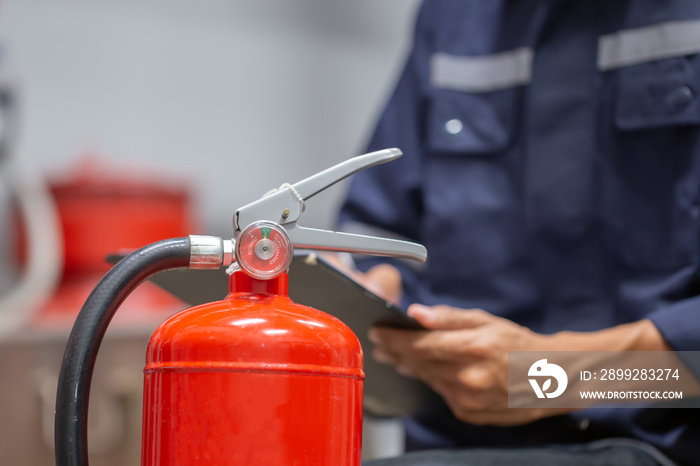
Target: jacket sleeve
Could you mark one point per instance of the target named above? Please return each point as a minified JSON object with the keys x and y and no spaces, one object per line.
{"x":679,"y":324}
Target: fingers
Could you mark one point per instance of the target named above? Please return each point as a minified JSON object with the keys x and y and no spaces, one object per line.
{"x":456,"y":335}
{"x":419,"y":345}
{"x":487,"y":406}
{"x":450,"y":335}
{"x":449,"y":318}
{"x":384,"y":280}
{"x":472,"y":393}
{"x":469,"y":390}
{"x":463,"y":356}
{"x":476,"y":381}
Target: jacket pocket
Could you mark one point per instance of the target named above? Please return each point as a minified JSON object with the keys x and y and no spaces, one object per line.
{"x":471,"y":123}
{"x":659,"y":94}
{"x":652,"y":186}
{"x":468,"y":194}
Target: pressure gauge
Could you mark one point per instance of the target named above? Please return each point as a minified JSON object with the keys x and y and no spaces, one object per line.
{"x":264,"y":250}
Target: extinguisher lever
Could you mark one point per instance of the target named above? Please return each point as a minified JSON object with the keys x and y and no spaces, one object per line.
{"x":284,"y":205}
{"x":266,"y":231}
{"x":325,"y":240}
{"x":328,"y":177}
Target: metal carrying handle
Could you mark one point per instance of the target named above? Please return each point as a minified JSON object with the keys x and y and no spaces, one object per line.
{"x":325,"y":240}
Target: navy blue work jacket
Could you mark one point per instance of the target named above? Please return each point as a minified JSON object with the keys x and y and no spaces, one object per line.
{"x":552,"y":168}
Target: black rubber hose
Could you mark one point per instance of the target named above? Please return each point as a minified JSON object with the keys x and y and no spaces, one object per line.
{"x":88,"y":331}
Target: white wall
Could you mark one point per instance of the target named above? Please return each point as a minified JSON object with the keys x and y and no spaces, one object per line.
{"x":240,"y":95}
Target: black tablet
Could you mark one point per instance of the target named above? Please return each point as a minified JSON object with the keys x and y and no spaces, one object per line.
{"x":316,"y":283}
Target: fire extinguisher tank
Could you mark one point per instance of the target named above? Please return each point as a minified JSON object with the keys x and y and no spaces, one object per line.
{"x":254,"y":379}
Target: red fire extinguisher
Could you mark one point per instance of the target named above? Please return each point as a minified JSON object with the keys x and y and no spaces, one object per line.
{"x":254,"y":379}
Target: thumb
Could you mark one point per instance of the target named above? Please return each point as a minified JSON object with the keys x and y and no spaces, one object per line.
{"x":384,"y":280}
{"x":448,"y":318}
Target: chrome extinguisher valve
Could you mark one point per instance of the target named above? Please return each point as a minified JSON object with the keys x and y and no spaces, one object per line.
{"x":267,"y":230}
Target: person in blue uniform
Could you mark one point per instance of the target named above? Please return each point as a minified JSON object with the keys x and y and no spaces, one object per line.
{"x":552,"y":169}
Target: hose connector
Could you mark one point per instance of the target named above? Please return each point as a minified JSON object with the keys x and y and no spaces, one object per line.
{"x":210,"y":252}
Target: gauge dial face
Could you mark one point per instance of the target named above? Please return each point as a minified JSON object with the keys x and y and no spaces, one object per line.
{"x":264,"y":250}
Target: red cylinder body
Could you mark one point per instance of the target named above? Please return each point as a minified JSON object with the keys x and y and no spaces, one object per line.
{"x":254,"y":379}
